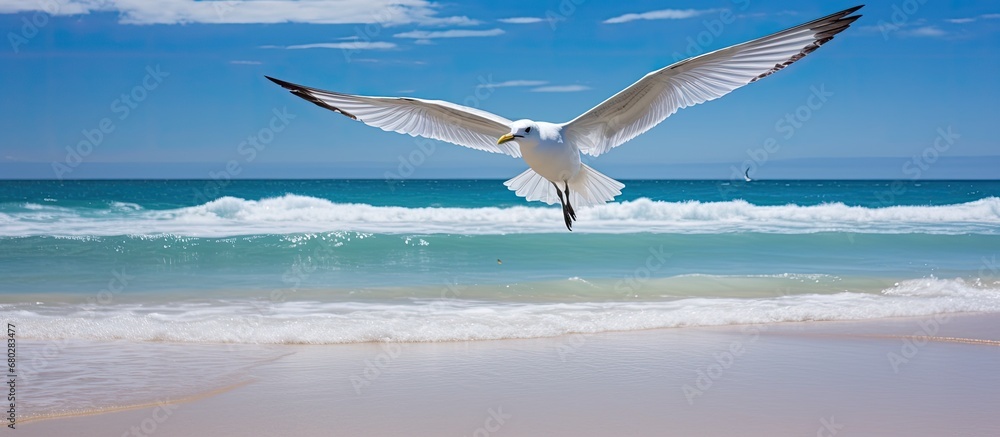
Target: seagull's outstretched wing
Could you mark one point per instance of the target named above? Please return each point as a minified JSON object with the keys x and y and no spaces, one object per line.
{"x":661,"y":93}
{"x":435,"y":119}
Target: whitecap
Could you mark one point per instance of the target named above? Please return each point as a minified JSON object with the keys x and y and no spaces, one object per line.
{"x":231,"y":216}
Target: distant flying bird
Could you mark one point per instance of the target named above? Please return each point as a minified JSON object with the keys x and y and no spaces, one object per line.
{"x":552,"y":150}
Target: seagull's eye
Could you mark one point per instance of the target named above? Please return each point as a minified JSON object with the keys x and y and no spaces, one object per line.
{"x":527,"y":129}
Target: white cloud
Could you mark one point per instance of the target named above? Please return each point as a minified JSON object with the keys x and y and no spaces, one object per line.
{"x":51,"y":8}
{"x":384,"y":12}
{"x":916,"y":29}
{"x":245,"y":62}
{"x":425,"y":42}
{"x":972,"y":19}
{"x":454,"y":33}
{"x":538,"y":86}
{"x":348,"y":45}
{"x":521,"y":20}
{"x":663,"y":14}
{"x":388,"y":61}
{"x":560,"y":89}
{"x":513,"y":83}
{"x":926,"y":31}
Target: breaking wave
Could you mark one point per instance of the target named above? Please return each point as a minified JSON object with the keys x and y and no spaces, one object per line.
{"x":429,"y":320}
{"x":230,"y":216}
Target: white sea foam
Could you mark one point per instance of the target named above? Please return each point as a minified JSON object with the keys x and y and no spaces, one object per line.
{"x":229,"y":216}
{"x":125,"y":206}
{"x":314,"y":322}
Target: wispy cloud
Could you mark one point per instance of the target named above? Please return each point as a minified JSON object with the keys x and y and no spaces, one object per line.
{"x":920,"y":28}
{"x":347,"y":45}
{"x":512,"y":83}
{"x":537,"y":86}
{"x":383,"y":12}
{"x":560,"y":89}
{"x":925,"y":31}
{"x":240,"y":62}
{"x":662,"y":14}
{"x":388,"y":61}
{"x":965,"y":20}
{"x":522,"y":20}
{"x":454,"y":33}
{"x":766,"y":14}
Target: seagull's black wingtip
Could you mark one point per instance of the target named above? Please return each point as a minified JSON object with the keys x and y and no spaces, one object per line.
{"x":307,"y":94}
{"x":848,"y":12}
{"x":283,"y":84}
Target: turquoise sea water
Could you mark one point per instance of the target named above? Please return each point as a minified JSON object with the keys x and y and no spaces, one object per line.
{"x":333,"y":261}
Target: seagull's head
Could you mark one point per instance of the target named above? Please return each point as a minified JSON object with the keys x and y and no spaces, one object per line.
{"x":522,"y":131}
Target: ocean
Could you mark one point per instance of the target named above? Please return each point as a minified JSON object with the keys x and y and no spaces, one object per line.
{"x":347,"y":261}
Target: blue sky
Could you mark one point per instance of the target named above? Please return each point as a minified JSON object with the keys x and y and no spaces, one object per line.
{"x":178,"y":87}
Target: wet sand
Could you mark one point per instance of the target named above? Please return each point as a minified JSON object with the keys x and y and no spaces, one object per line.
{"x":915,"y":376}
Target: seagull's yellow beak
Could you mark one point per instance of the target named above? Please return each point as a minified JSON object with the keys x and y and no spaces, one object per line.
{"x":505,"y":138}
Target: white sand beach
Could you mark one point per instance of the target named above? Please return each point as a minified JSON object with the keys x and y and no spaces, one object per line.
{"x":909,"y":376}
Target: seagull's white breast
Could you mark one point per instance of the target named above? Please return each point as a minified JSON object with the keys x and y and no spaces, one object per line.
{"x":550,"y":156}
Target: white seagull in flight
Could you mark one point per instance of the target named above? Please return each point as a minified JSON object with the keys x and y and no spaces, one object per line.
{"x":552,"y":150}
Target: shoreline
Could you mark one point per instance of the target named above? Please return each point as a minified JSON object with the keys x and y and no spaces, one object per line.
{"x":543,"y":382}
{"x":121,"y":408}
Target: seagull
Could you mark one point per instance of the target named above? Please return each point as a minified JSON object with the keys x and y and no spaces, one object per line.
{"x":552,"y":150}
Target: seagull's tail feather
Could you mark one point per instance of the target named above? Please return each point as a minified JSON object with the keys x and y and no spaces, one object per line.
{"x":532,"y":186}
{"x":588,"y":188}
{"x":591,"y":187}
